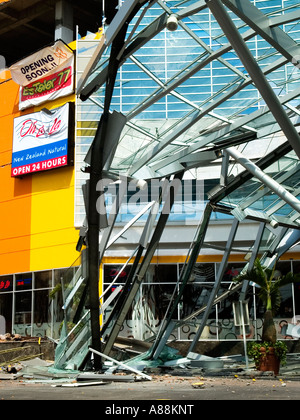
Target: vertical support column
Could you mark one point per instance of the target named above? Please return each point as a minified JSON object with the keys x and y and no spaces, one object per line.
{"x":64,"y":21}
{"x":255,"y":72}
{"x":96,"y":174}
{"x":254,"y":254}
{"x":224,"y":169}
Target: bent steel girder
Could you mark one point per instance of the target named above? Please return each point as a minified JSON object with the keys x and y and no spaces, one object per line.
{"x":97,"y":165}
{"x":202,"y":141}
{"x":255,"y":72}
{"x":261,"y":24}
{"x":196,"y":247}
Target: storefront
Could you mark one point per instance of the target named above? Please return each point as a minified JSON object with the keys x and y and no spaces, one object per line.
{"x":153,"y":299}
{"x":31,"y":303}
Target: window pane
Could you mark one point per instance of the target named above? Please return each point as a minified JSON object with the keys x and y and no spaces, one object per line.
{"x":42,"y":314}
{"x":23,"y":313}
{"x":43,"y":279}
{"x":57,"y":297}
{"x":6,"y":284}
{"x":113,"y":271}
{"x":6,"y":311}
{"x":24,"y":281}
{"x":165,"y":273}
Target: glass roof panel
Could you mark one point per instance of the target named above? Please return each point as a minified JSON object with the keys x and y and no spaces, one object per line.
{"x":255,"y":196}
{"x":184,"y":92}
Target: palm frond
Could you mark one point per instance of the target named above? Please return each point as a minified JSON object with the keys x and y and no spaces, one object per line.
{"x":289,"y":278}
{"x":269,"y":285}
{"x":256,"y":275}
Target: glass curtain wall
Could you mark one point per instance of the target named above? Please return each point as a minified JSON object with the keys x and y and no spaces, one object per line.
{"x":153,"y":300}
{"x":31,"y":303}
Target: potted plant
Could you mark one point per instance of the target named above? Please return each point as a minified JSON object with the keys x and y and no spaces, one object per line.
{"x":267,"y":356}
{"x":268,"y":353}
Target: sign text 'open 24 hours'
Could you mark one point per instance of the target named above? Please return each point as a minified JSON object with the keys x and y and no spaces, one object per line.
{"x":40,"y":141}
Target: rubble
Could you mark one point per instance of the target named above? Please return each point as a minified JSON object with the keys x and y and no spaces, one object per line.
{"x":172,"y":369}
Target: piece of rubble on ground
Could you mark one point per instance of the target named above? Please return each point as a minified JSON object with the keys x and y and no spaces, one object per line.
{"x":10,"y":337}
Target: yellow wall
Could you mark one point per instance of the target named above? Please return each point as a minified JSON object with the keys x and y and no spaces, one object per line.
{"x":15,"y":196}
{"x":53,"y":236}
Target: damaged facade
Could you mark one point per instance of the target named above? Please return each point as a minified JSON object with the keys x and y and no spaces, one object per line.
{"x":158,"y":111}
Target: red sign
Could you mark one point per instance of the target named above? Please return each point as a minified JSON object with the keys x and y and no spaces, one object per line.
{"x":34,"y":128}
{"x":40,"y":166}
{"x":40,"y":141}
{"x":5,"y":284}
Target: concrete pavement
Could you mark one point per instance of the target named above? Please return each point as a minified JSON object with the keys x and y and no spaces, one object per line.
{"x":176,"y":392}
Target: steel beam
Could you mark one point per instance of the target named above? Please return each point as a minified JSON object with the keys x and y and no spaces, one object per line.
{"x":255,"y":72}
{"x":265,"y":179}
{"x":258,"y":21}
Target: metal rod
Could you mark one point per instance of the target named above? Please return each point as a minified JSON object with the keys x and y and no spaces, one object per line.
{"x":96,"y":174}
{"x":121,"y":364}
{"x":244,"y":333}
{"x":265,"y":179}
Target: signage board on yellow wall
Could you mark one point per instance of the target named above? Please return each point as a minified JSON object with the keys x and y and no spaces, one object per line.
{"x":40,"y":141}
{"x":45,"y":76}
{"x":41,"y":64}
{"x":57,"y":85}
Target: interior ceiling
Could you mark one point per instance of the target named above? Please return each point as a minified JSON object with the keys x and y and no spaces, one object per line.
{"x":28,"y":25}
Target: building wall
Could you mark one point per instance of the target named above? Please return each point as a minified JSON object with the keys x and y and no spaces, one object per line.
{"x":37,"y":217}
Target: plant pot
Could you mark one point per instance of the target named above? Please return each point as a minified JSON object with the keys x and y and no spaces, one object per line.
{"x":269,"y":361}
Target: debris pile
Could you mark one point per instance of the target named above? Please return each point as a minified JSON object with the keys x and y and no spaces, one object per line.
{"x":16,"y":348}
{"x":196,"y":368}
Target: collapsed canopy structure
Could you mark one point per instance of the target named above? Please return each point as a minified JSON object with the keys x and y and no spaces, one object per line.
{"x":179,"y":86}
